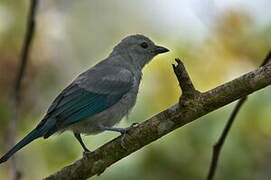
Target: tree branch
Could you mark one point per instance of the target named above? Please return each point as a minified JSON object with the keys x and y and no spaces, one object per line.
{"x":96,"y":162}
{"x":219,"y":144}
{"x":15,"y":96}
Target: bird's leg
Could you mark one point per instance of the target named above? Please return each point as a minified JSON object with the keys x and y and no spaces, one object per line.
{"x":78,"y":137}
{"x":123,"y":131}
{"x":115,"y":129}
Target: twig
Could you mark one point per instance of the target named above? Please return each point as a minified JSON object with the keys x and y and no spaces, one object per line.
{"x":219,"y":144}
{"x":15,"y":96}
{"x":185,"y":82}
{"x":28,"y":37}
{"x":267,"y":59}
{"x":184,"y":79}
{"x":163,"y":123}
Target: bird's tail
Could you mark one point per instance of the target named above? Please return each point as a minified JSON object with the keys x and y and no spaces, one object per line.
{"x":34,"y":134}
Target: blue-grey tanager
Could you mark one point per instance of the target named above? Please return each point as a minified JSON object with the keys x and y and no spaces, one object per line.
{"x":99,"y":97}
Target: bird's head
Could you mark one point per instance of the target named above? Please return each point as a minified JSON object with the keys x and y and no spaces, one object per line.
{"x":138,"y":49}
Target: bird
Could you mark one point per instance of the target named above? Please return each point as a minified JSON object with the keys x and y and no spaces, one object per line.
{"x":98,"y":98}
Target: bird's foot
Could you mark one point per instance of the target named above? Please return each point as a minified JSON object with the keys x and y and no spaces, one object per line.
{"x":124,"y":133}
{"x":125,"y":130}
{"x":116,"y":129}
{"x":86,"y":153}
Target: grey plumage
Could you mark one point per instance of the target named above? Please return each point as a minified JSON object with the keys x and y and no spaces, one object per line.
{"x":100,"y":97}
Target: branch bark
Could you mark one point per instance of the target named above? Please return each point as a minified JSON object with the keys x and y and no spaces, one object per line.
{"x":219,"y":144}
{"x":180,"y":114}
{"x":15,"y":96}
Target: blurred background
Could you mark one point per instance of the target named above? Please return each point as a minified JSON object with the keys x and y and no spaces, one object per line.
{"x":217,"y":40}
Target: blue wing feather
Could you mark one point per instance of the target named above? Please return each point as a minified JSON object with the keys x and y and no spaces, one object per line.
{"x":77,"y":106}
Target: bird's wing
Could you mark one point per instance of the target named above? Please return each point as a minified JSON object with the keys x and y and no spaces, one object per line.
{"x":92,"y":92}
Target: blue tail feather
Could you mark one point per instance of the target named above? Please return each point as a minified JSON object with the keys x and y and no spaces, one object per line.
{"x":34,"y":134}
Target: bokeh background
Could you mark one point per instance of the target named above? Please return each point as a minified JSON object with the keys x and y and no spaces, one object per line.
{"x":217,"y":40}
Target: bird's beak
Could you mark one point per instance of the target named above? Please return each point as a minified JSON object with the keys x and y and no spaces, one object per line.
{"x":160,"y":50}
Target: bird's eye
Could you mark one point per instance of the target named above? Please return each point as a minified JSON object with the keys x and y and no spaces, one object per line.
{"x":144,"y":45}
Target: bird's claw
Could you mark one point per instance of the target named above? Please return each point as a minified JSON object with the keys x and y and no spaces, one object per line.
{"x":122,"y":144}
{"x":125,"y":130}
{"x":134,"y":125}
{"x":86,"y":153}
{"x":124,"y":133}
